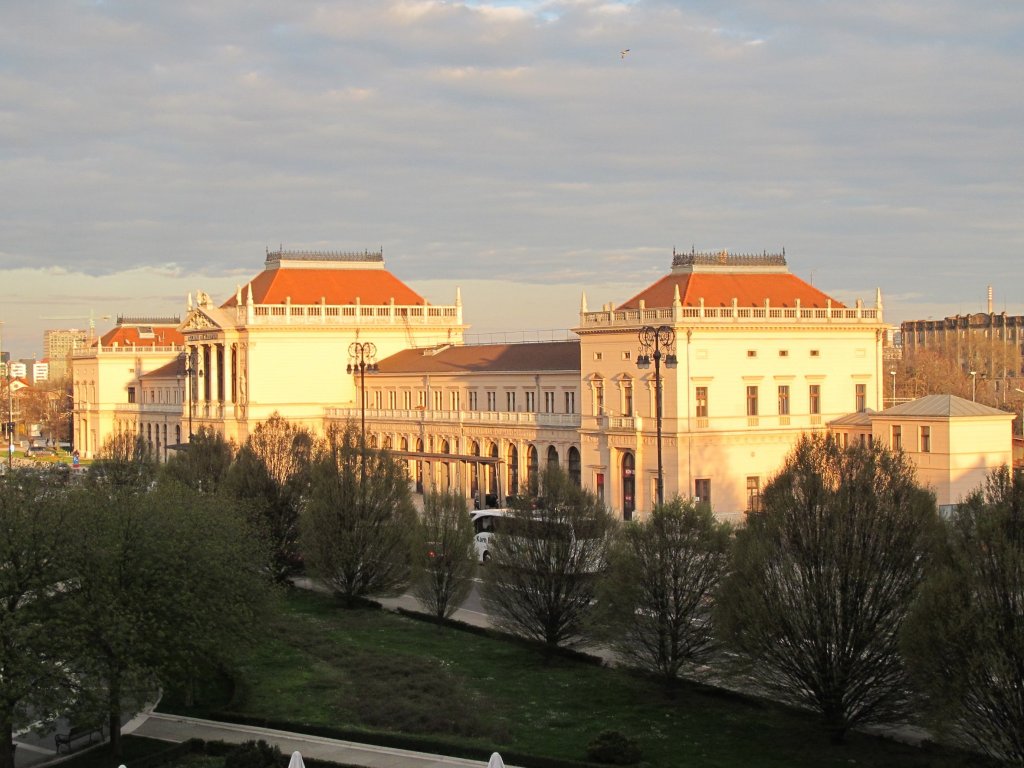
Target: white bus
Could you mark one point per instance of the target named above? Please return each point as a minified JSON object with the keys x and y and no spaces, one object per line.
{"x":485,"y":523}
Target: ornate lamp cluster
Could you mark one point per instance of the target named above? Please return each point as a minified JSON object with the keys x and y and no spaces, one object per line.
{"x":654,"y":344}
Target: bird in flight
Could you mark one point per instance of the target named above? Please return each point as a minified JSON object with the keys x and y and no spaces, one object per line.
{"x":623,"y":52}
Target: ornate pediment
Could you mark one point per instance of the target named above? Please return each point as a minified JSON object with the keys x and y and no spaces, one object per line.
{"x":198,"y":321}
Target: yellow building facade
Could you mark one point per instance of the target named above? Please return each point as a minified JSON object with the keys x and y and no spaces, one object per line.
{"x":749,"y":356}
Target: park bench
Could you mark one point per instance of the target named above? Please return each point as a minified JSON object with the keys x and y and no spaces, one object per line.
{"x":75,"y":733}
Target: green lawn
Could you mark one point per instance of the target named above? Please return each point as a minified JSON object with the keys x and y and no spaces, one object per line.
{"x":321,"y":665}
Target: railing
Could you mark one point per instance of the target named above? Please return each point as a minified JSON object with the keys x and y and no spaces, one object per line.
{"x":711,"y":315}
{"x":139,"y":408}
{"x":347,"y":314}
{"x":127,"y":349}
{"x":522,"y":418}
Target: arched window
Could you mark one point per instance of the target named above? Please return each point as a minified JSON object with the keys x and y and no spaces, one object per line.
{"x":419,"y":467}
{"x":446,"y":468}
{"x":552,"y":457}
{"x":387,"y":442}
{"x":474,"y":475}
{"x":513,"y":469}
{"x":492,"y":474}
{"x":628,"y":485}
{"x":575,"y":465}
{"x":531,"y":469}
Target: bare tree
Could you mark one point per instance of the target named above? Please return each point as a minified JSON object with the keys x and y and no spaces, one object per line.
{"x":822,"y":578}
{"x":359,"y":524}
{"x":448,"y":560}
{"x":542,"y":577}
{"x":664,"y":572}
{"x":964,"y":639}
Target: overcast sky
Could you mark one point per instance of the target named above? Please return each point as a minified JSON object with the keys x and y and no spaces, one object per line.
{"x":150,"y":148}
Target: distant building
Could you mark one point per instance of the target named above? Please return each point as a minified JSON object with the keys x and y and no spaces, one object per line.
{"x":40,"y":371}
{"x":58,"y":344}
{"x":17,"y":369}
{"x":106,"y":376}
{"x":989,"y":343}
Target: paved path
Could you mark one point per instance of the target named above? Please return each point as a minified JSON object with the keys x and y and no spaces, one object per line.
{"x":177,"y":728}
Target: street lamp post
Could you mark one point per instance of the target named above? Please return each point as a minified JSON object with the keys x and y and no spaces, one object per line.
{"x":893,"y":374}
{"x":10,"y":419}
{"x":653,"y":343}
{"x":974,"y":390}
{"x":362,"y":360}
{"x":191,"y":370}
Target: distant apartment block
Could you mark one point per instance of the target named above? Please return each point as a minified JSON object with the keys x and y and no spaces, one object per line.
{"x":58,"y":344}
{"x":990,"y":343}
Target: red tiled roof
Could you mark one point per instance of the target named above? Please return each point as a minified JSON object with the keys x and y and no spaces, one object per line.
{"x":719,"y":289}
{"x":534,"y":356}
{"x":335,"y":286}
{"x":170,"y":370}
{"x":128,"y":335}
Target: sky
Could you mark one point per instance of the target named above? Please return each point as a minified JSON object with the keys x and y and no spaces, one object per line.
{"x":149,"y":149}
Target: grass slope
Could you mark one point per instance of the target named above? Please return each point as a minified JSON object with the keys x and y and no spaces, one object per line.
{"x":319,"y":664}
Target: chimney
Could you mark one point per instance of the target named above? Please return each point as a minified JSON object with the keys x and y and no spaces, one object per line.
{"x":990,"y":299}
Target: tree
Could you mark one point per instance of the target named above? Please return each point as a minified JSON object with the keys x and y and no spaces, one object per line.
{"x":664,"y":573}
{"x":359,"y":525}
{"x":964,"y":639}
{"x":822,"y":577}
{"x":444,"y":578}
{"x":541,"y":580}
{"x":34,"y":534}
{"x":270,"y":475}
{"x":203,"y":464}
{"x":164,"y":577}
{"x":124,"y":462}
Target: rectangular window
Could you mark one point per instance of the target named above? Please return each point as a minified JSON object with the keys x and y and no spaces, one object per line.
{"x":378,"y":399}
{"x":702,"y":402}
{"x":421,"y":399}
{"x":815,"y":353}
{"x":531,"y":401}
{"x":815,"y":399}
{"x":492,"y":400}
{"x":753,"y":493}
{"x":510,"y":401}
{"x":392,"y":400}
{"x":570,"y":402}
{"x":407,"y":400}
{"x":599,"y":485}
{"x":926,"y":439}
{"x":598,"y":397}
{"x":627,"y":398}
{"x":897,"y":437}
{"x":702,"y":490}
{"x":473,"y":404}
{"x":453,"y":401}
{"x":131,"y":394}
{"x":783,"y":400}
{"x":549,"y":402}
{"x":438,"y":400}
{"x":783,"y":353}
{"x":598,"y":355}
{"x":751,"y":353}
{"x":752,"y":401}
{"x":861,"y":397}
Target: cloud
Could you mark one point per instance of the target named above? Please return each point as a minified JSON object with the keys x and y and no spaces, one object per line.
{"x":878,"y":144}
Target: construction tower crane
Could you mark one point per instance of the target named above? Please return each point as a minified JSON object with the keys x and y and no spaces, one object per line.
{"x":91,"y":318}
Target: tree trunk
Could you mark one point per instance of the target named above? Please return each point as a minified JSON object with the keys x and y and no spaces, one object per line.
{"x":6,"y":740}
{"x":114,"y":713}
